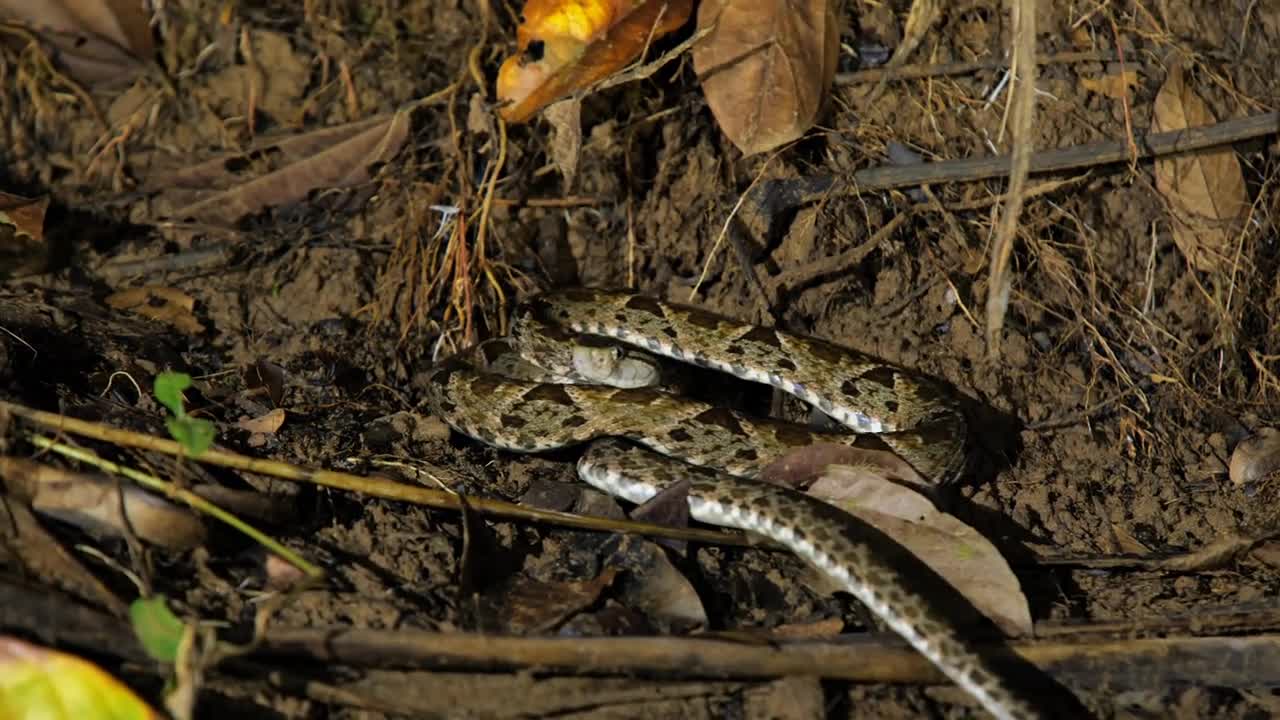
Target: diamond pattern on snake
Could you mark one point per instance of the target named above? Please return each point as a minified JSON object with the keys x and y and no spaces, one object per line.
{"x":543,"y":388}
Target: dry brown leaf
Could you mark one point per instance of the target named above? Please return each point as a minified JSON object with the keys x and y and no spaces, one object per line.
{"x":766,"y":67}
{"x":565,"y":118}
{"x":41,"y":556}
{"x":100,"y":505}
{"x":325,"y":158}
{"x":266,"y":376}
{"x":566,"y":45}
{"x":266,"y":424}
{"x":1255,"y":457}
{"x":957,"y":552}
{"x":798,"y":468}
{"x":100,"y":42}
{"x":1205,"y":190}
{"x":535,"y":606}
{"x":655,"y":587}
{"x":22,"y":246}
{"x":167,"y":305}
{"x":1112,"y":85}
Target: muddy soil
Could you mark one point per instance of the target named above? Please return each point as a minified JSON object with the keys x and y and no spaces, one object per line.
{"x":1128,"y":373}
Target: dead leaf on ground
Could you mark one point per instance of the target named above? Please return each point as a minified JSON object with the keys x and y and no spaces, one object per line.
{"x":566,"y":45}
{"x":1205,"y":190}
{"x":266,"y":424}
{"x":1255,"y":457}
{"x":670,"y":507}
{"x":535,"y":607}
{"x":99,"y":42}
{"x":268,"y":377}
{"x":166,"y":305}
{"x":766,"y":67}
{"x":565,"y":118}
{"x":799,"y":468}
{"x":655,"y":587}
{"x":957,"y":552}
{"x":100,"y":505}
{"x":25,"y":543}
{"x":22,"y":244}
{"x":1112,"y":85}
{"x":326,"y":158}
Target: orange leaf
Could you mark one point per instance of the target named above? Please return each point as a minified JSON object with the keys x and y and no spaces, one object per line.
{"x":566,"y":45}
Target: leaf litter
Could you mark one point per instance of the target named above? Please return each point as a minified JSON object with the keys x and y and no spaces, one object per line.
{"x":879,"y":489}
{"x":1205,"y":190}
{"x":766,"y":67}
{"x":100,"y":42}
{"x":220,"y":191}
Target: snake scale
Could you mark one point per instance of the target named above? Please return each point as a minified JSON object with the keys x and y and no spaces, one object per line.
{"x":721,"y":450}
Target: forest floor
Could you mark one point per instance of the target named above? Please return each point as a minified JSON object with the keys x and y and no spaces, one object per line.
{"x":1132,"y":360}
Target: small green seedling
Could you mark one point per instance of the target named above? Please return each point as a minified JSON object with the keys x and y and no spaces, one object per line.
{"x":195,"y":435}
{"x":158,"y":630}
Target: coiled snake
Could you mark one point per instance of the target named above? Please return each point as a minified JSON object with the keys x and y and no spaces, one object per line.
{"x":722,"y":450}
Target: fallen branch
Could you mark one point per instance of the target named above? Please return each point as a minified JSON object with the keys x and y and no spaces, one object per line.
{"x":372,"y":486}
{"x":776,"y":195}
{"x":1144,"y":663}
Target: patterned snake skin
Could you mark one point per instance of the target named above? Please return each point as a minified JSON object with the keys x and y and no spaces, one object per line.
{"x":917,"y":418}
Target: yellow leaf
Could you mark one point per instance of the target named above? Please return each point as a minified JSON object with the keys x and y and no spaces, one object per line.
{"x":36,"y":682}
{"x":566,"y":45}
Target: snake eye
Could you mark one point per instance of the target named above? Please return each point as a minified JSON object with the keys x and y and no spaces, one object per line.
{"x":535,"y":50}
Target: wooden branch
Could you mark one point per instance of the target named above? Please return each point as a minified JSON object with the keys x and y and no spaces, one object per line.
{"x":1127,"y":663}
{"x":916,"y":72}
{"x":774,"y":195}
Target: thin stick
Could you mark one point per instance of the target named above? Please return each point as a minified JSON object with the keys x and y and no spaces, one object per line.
{"x":813,"y":188}
{"x":919,"y":72}
{"x":376,"y":487}
{"x":1023,"y":107}
{"x":1154,"y":662}
{"x":178,"y":494}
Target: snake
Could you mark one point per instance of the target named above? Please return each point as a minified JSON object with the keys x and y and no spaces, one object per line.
{"x":642,"y":439}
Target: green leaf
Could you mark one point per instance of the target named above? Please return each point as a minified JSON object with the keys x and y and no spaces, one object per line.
{"x":168,"y":390}
{"x":36,"y":682}
{"x":195,"y":435}
{"x":158,"y":629}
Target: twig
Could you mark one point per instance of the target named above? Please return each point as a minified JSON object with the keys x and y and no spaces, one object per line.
{"x":917,"y":72}
{"x":812,"y":188}
{"x":375,"y":487}
{"x":1023,"y":107}
{"x":810,"y":271}
{"x":1131,"y":663}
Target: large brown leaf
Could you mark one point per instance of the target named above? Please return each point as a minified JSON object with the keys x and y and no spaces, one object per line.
{"x":224,"y":189}
{"x":1205,"y":190}
{"x":98,"y":41}
{"x":766,"y":66}
{"x":957,"y":552}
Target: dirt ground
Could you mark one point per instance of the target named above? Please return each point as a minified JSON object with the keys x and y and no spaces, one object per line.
{"x":1132,"y":372}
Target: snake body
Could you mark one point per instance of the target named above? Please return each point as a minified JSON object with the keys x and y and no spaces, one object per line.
{"x":720,"y":451}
